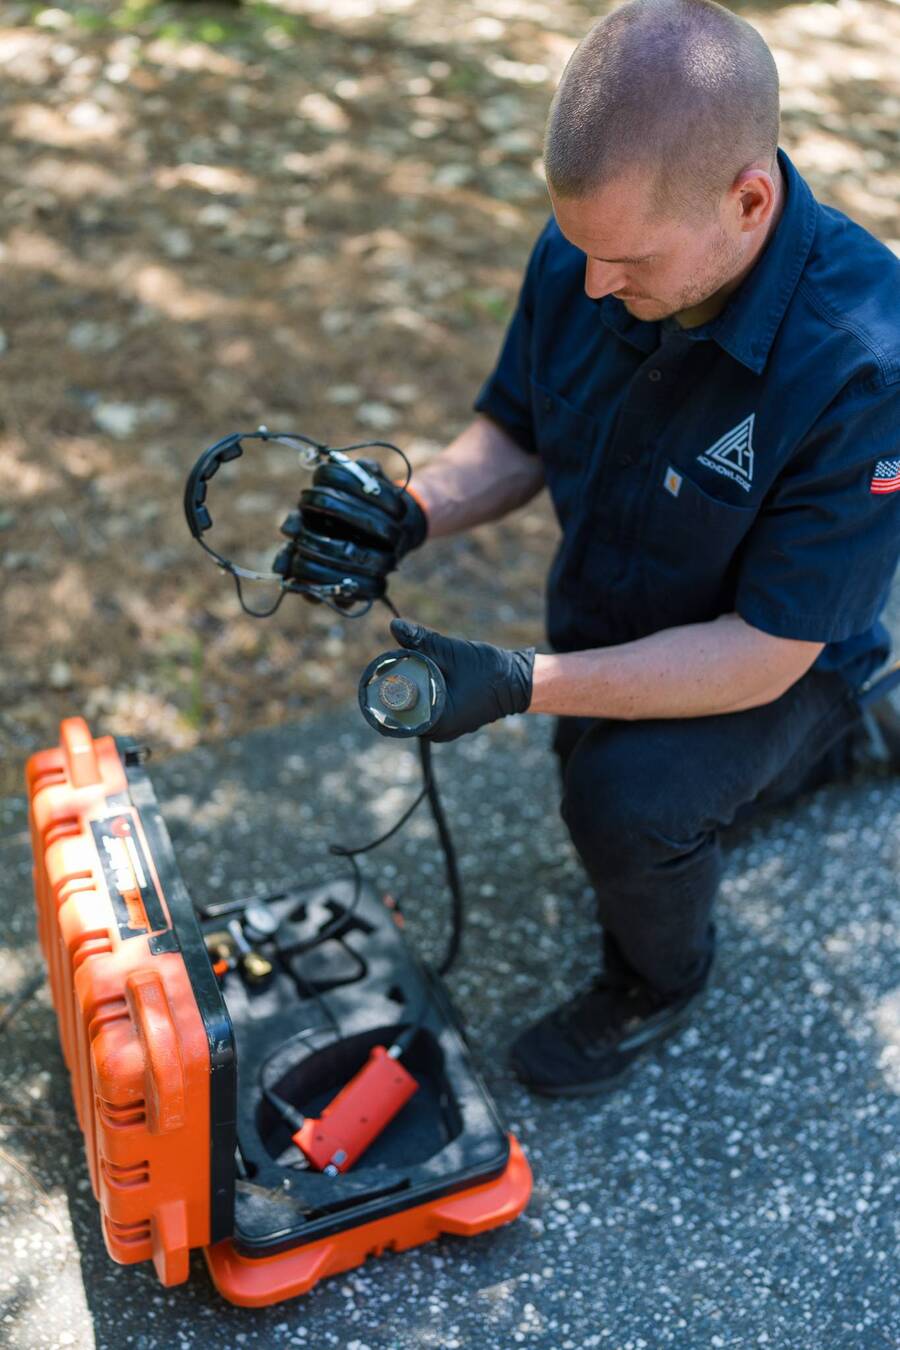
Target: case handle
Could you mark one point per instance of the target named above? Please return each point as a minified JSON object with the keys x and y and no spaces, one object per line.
{"x":165,"y":1087}
{"x":78,"y":749}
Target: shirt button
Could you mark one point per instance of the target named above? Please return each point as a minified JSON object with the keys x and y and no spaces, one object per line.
{"x":548,"y":403}
{"x":654,"y":375}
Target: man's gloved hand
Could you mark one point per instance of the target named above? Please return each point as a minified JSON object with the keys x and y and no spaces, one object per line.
{"x":483,"y":682}
{"x":341,"y":530}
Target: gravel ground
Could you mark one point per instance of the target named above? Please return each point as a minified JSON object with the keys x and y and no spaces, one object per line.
{"x":739,"y":1190}
{"x":313,"y":214}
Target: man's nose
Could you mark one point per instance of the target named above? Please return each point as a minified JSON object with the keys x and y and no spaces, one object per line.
{"x":602,"y":278}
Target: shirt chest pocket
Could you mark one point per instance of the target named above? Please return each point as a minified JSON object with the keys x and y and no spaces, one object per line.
{"x":566,"y":439}
{"x":689,"y":547}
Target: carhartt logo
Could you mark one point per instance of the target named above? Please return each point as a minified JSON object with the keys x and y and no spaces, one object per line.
{"x":672,"y":481}
{"x":732,"y":454}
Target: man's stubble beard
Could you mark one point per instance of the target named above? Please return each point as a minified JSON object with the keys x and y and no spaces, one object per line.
{"x":724,"y":262}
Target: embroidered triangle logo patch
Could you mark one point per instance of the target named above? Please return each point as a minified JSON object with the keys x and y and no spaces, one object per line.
{"x":732,"y":454}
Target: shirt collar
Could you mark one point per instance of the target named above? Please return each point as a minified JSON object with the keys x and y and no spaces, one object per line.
{"x":747,"y":325}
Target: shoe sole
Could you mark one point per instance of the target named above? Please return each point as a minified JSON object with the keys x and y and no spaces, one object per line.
{"x":596,"y":1087}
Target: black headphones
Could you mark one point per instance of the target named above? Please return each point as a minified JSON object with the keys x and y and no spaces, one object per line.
{"x":339,"y":572}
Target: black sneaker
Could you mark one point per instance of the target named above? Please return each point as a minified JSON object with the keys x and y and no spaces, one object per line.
{"x":583,"y":1046}
{"x":875,"y":741}
{"x":876,"y":744}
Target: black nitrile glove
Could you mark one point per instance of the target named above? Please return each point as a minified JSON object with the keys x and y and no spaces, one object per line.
{"x":339,"y":530}
{"x":483,"y":682}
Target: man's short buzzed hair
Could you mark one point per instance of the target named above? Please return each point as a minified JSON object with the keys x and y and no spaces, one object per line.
{"x":681,"y":88}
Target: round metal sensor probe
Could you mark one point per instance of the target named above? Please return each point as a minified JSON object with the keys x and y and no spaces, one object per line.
{"x":397,"y":693}
{"x":402,"y":693}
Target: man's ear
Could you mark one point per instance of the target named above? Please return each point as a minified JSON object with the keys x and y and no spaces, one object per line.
{"x":755,"y":194}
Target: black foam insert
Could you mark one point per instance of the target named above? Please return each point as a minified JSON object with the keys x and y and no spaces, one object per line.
{"x":307,"y":1030}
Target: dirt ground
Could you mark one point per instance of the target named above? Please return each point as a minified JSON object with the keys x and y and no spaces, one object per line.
{"x":314,"y":215}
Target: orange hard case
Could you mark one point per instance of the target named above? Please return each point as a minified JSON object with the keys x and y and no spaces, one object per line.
{"x":146,"y":1037}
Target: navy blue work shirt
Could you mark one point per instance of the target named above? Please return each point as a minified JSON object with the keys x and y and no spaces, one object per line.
{"x":749,"y":465}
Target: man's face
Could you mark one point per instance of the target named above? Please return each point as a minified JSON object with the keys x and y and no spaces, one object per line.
{"x":657,"y":265}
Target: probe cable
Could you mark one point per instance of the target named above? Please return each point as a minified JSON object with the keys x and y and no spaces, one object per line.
{"x":402,"y":1041}
{"x":429,"y":790}
{"x":199,"y":521}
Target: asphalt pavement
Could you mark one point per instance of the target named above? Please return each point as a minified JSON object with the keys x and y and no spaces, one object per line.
{"x":739,"y":1190}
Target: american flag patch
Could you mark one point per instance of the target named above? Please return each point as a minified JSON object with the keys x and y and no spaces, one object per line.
{"x":886,"y":477}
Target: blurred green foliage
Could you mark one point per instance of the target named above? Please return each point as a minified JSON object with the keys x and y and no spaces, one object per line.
{"x":495,"y":304}
{"x":182,"y":23}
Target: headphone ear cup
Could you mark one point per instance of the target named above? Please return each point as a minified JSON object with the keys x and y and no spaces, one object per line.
{"x":326,"y":509}
{"x":343,"y":553}
{"x":336,"y":476}
{"x":306,"y":571}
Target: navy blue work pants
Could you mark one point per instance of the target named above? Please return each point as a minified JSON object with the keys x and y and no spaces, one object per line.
{"x":645,"y":803}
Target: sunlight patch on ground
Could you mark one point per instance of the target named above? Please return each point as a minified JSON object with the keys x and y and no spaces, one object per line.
{"x":81,"y":122}
{"x":72,"y":180}
{"x":193,"y":56}
{"x":323,"y":112}
{"x":25,"y":55}
{"x":42,"y":253}
{"x":346,"y":11}
{"x":19,"y":478}
{"x":886,"y":1020}
{"x":212,"y":178}
{"x":167,"y":292}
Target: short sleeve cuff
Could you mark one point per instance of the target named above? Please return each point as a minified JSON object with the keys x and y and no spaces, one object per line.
{"x":804,"y":625}
{"x":493,"y":403}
